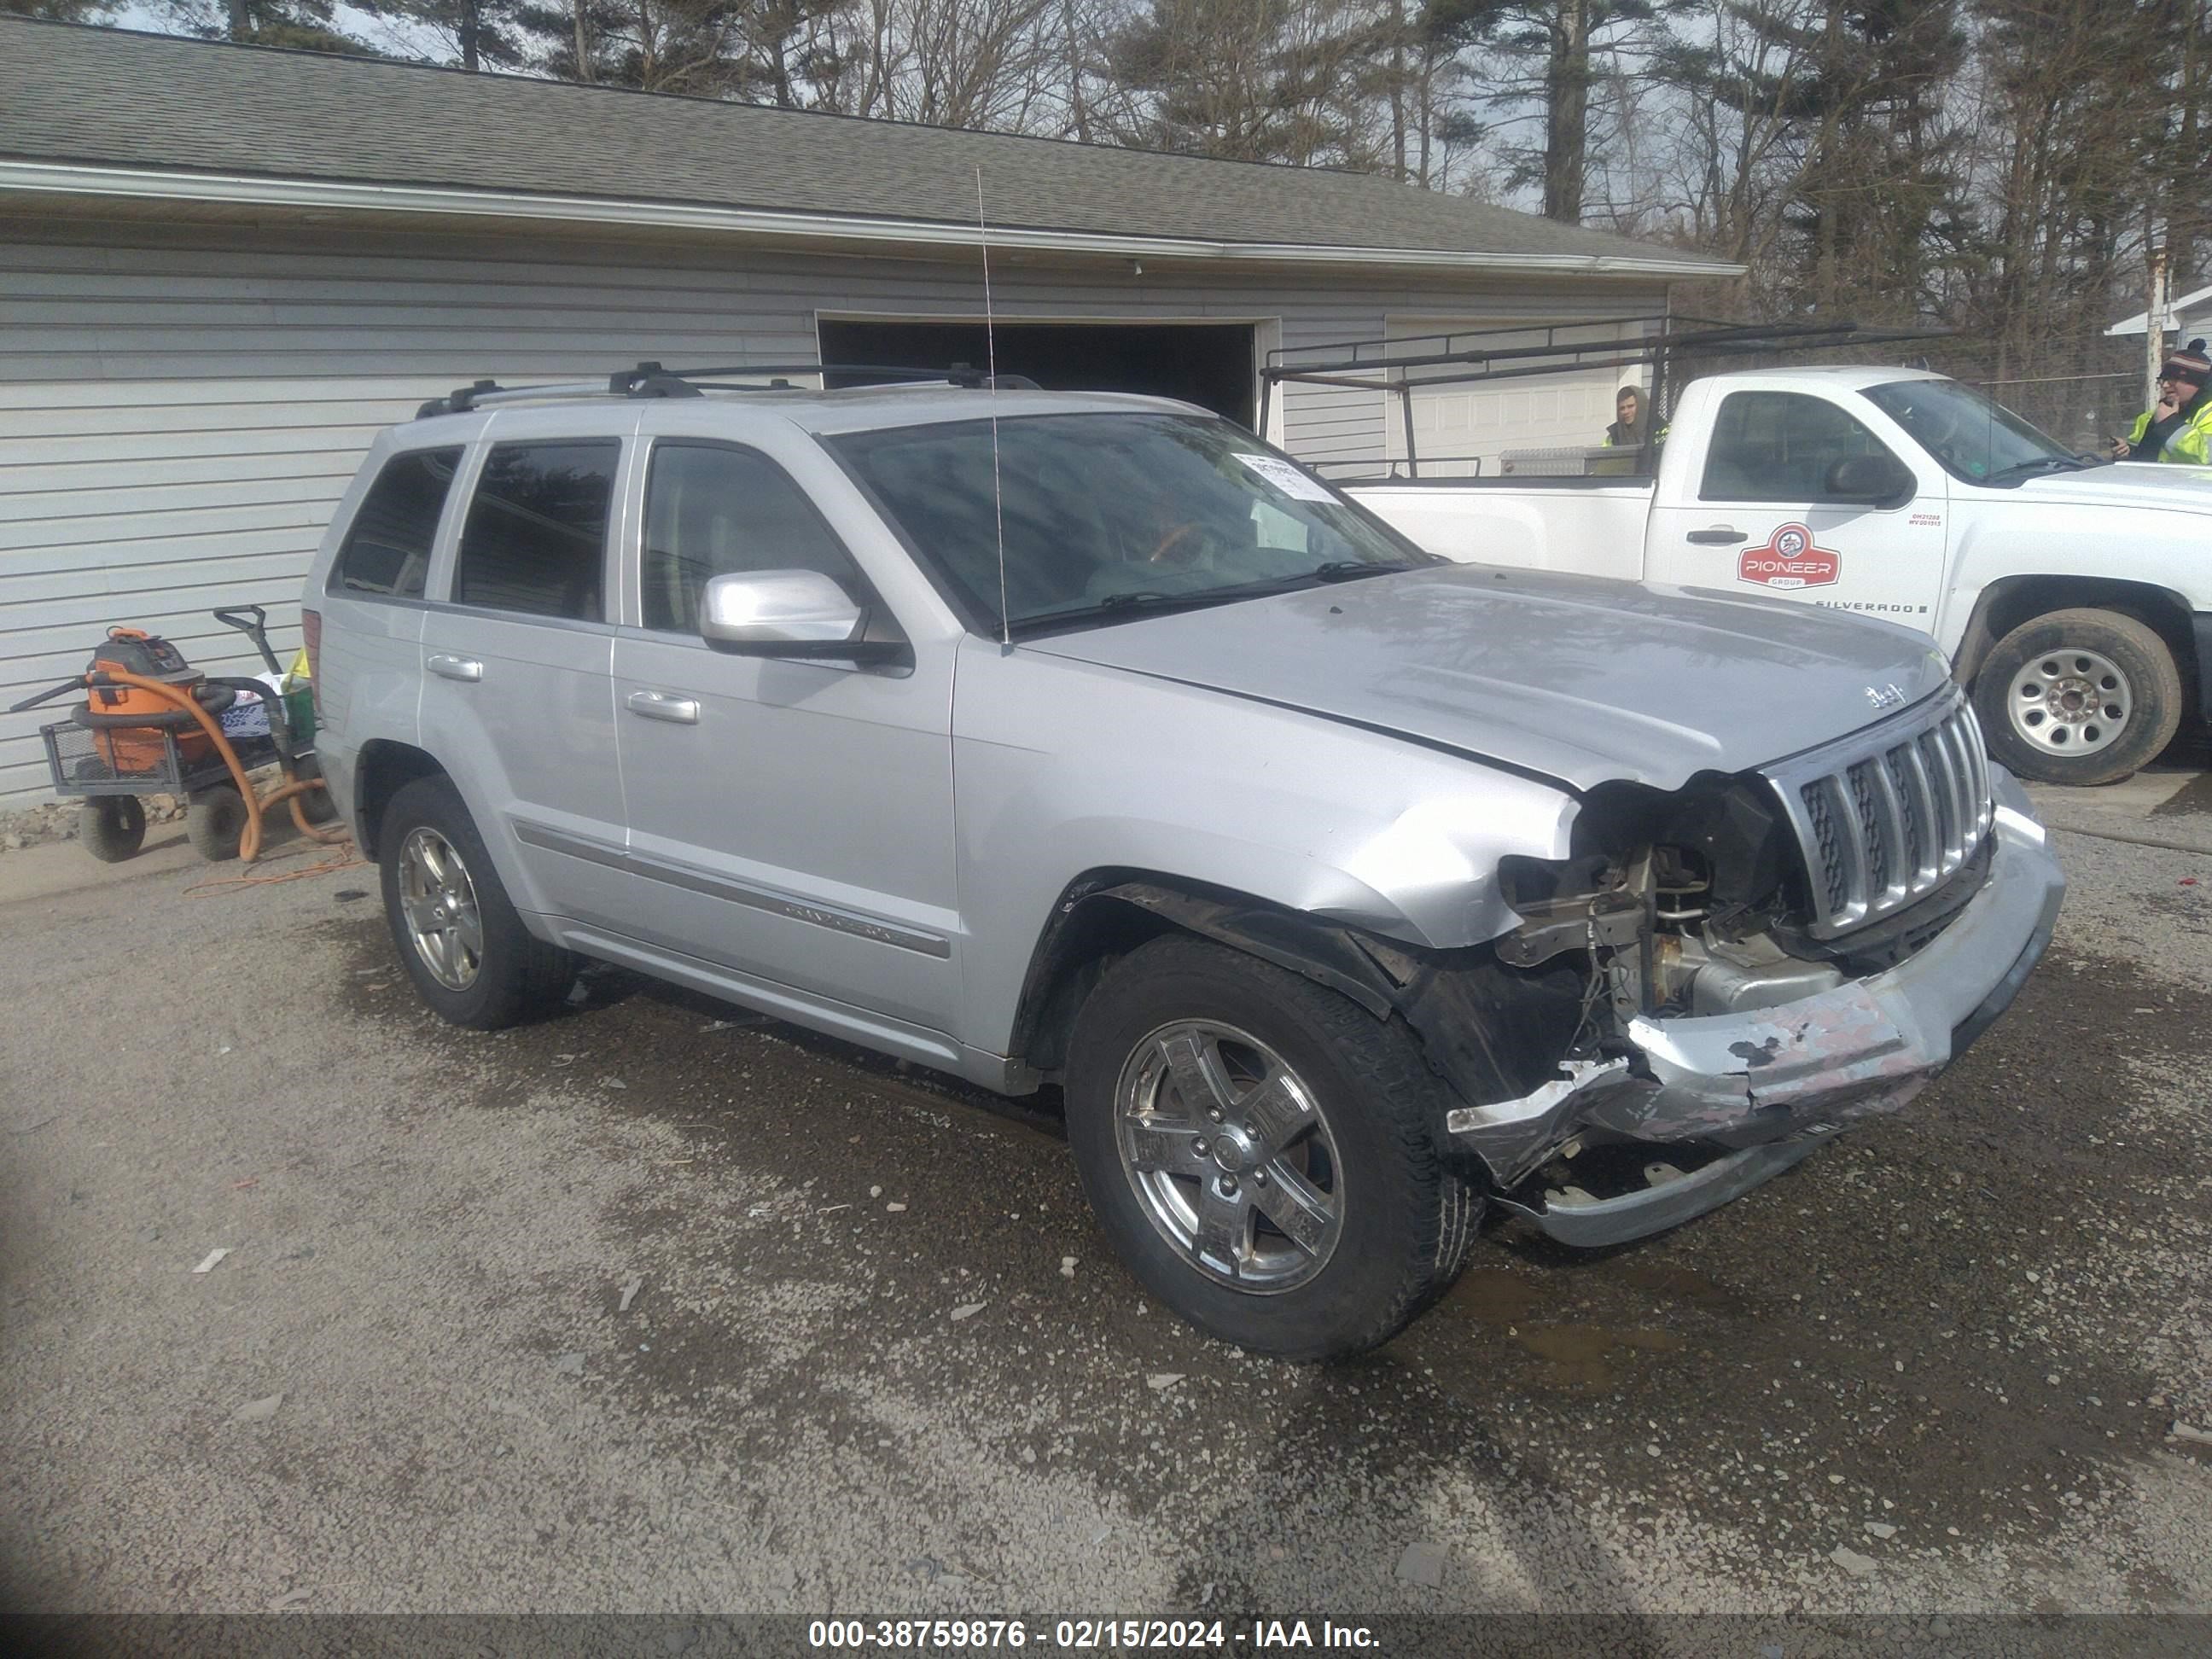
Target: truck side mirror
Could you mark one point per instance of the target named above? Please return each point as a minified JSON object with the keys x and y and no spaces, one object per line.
{"x":1874,"y":480}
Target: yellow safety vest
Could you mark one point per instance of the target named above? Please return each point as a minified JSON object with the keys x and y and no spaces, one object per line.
{"x":2189,"y":444}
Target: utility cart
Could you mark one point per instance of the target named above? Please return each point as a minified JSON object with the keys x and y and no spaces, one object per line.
{"x":150,"y":724}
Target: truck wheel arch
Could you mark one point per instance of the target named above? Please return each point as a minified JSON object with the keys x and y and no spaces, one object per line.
{"x":2006,"y":603}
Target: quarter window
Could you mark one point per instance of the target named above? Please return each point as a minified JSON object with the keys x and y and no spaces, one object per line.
{"x":387,"y":550}
{"x":1779,"y":446}
{"x":711,"y":510}
{"x":537,"y":533}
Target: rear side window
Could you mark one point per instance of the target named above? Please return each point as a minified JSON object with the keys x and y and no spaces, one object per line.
{"x":387,"y":550}
{"x":710,"y":510}
{"x":537,"y":533}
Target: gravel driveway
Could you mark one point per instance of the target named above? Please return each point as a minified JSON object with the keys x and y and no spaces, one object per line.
{"x":661,"y":1306}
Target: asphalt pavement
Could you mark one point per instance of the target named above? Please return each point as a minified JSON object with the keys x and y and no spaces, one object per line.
{"x":662,"y":1306}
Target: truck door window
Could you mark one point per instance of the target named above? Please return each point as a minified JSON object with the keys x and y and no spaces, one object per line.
{"x":1778,"y":447}
{"x":537,"y":533}
{"x":386,"y":550}
{"x":711,"y":509}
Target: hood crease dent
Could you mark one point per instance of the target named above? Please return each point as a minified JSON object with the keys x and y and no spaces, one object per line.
{"x":1568,"y":679}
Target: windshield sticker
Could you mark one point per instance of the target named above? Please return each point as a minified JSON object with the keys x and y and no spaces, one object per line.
{"x":1286,"y":477}
{"x":1789,"y":559}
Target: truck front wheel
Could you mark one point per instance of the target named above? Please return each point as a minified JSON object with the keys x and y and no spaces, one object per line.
{"x":1262,"y":1151}
{"x":2079,"y":696}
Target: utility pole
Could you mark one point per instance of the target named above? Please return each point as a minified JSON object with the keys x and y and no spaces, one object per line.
{"x":2154,"y":321}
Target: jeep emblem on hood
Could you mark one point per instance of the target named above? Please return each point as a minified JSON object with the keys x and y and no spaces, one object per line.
{"x":1885,"y":697}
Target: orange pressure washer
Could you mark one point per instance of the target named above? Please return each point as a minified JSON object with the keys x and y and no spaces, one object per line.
{"x":151,"y":722}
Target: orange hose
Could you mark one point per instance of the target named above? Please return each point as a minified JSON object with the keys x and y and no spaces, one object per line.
{"x":249,"y":839}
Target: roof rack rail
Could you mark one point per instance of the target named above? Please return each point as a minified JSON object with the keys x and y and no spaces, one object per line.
{"x":650,"y":380}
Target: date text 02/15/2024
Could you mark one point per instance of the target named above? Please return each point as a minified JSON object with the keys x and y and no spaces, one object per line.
{"x":1083,"y":1635}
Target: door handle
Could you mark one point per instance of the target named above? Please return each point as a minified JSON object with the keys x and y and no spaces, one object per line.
{"x":449,"y":667}
{"x":661,"y":706}
{"x":1719,"y":537}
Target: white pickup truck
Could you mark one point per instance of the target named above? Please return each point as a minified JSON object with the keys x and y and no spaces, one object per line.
{"x":2073,"y":596}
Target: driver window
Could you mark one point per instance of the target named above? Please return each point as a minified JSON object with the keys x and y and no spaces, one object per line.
{"x":710,"y":510}
{"x":1779,"y":446}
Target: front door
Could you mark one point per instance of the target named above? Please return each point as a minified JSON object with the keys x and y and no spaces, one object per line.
{"x":1759,"y":515}
{"x":790,"y":820}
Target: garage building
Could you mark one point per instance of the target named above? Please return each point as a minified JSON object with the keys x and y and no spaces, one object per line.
{"x":223,"y":269}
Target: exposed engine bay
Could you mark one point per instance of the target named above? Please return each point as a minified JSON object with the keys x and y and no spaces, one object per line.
{"x":1693,"y":903}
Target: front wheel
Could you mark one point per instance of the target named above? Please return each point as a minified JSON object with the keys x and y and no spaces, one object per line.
{"x":460,"y":937}
{"x":111,"y":827}
{"x":2079,"y":696}
{"x":1262,"y":1152}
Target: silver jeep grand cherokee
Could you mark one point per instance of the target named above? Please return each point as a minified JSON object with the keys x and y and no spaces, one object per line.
{"x":1056,"y":738}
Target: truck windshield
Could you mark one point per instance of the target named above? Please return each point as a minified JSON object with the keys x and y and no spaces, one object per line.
{"x":1972,"y":436}
{"x":1108,"y":516}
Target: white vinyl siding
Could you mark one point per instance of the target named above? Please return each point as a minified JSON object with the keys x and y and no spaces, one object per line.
{"x":181,"y":405}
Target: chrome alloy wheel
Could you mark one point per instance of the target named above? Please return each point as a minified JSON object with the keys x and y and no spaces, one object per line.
{"x":1229,"y":1156}
{"x":2069,"y":702}
{"x":440,"y":902}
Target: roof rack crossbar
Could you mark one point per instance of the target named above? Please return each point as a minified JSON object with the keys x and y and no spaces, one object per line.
{"x":650,"y":380}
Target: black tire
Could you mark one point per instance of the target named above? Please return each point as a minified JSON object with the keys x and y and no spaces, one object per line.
{"x":515,"y":977}
{"x":214,"y":819}
{"x":111,"y":827}
{"x":2153,"y":687}
{"x":316,"y":803}
{"x":1405,"y":1218}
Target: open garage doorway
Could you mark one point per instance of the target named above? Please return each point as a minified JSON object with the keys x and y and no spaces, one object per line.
{"x":1211,"y":364}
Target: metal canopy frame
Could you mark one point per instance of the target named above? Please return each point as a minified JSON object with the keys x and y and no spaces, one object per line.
{"x":1398,"y":366}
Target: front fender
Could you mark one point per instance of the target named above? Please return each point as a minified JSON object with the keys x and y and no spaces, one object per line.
{"x":1062,"y":767}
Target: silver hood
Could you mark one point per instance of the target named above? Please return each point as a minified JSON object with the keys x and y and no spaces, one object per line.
{"x":1570,"y":677}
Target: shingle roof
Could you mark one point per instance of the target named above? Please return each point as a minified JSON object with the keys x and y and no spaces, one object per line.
{"x":106,"y":97}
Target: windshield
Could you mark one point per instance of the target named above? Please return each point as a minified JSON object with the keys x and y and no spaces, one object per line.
{"x":1971,"y":434}
{"x":1110,"y":515}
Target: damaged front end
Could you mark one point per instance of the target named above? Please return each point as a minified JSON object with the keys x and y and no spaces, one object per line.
{"x":1756,"y":962}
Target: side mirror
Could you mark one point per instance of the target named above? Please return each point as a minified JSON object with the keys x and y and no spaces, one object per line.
{"x":1875,"y":480}
{"x":785,"y":613}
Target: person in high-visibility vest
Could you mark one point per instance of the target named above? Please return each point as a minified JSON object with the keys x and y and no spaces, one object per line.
{"x":2178,"y":427}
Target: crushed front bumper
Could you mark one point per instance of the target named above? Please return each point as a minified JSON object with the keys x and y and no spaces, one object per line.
{"x":1770,"y":1085}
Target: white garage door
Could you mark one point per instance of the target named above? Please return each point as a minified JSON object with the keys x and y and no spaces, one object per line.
{"x":149,"y":503}
{"x":1454,"y":425}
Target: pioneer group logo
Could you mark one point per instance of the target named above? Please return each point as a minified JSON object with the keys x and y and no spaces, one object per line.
{"x":1789,"y":559}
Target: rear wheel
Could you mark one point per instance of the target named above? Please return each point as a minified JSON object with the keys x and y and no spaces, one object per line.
{"x":215,"y":820}
{"x":2079,"y":696}
{"x":460,"y":937}
{"x":316,"y":804}
{"x":1262,"y":1151}
{"x":111,"y":827}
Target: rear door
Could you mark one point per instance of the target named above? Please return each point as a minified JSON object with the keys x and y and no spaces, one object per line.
{"x":517,"y":699}
{"x":789,"y":819}
{"x":1756,"y":514}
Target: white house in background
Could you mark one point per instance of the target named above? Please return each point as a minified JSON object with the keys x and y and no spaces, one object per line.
{"x":223,"y":269}
{"x":2188,"y":316}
